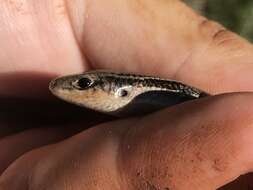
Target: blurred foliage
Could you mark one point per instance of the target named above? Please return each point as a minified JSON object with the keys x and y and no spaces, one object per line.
{"x":236,"y":15}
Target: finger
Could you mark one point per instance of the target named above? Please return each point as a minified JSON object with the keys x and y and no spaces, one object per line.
{"x":197,"y":145}
{"x":37,"y":44}
{"x":68,"y":156}
{"x":36,"y":38}
{"x":14,"y":146}
{"x":163,"y":38}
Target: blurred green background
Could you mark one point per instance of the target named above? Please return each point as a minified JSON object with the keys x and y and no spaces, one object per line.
{"x":236,"y":15}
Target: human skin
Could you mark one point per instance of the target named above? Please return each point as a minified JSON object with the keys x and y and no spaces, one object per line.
{"x":203,"y":144}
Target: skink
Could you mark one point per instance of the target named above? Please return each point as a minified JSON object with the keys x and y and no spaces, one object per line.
{"x":122,"y":94}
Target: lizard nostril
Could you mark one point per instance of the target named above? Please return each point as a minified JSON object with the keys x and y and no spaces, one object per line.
{"x":52,"y":85}
{"x":55,"y":84}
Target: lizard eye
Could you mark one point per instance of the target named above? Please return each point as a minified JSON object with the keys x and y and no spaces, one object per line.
{"x":83,"y":83}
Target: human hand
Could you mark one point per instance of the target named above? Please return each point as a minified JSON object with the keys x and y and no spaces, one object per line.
{"x":203,"y":144}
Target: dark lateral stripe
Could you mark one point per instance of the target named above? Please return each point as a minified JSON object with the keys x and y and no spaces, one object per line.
{"x":120,"y":79}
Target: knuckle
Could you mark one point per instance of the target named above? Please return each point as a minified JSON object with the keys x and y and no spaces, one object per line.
{"x":217,"y":35}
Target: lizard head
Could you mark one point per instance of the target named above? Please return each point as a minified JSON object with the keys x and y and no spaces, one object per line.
{"x":100,"y":90}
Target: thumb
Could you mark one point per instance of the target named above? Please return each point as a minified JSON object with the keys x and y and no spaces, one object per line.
{"x":164,"y":38}
{"x":205,"y":148}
